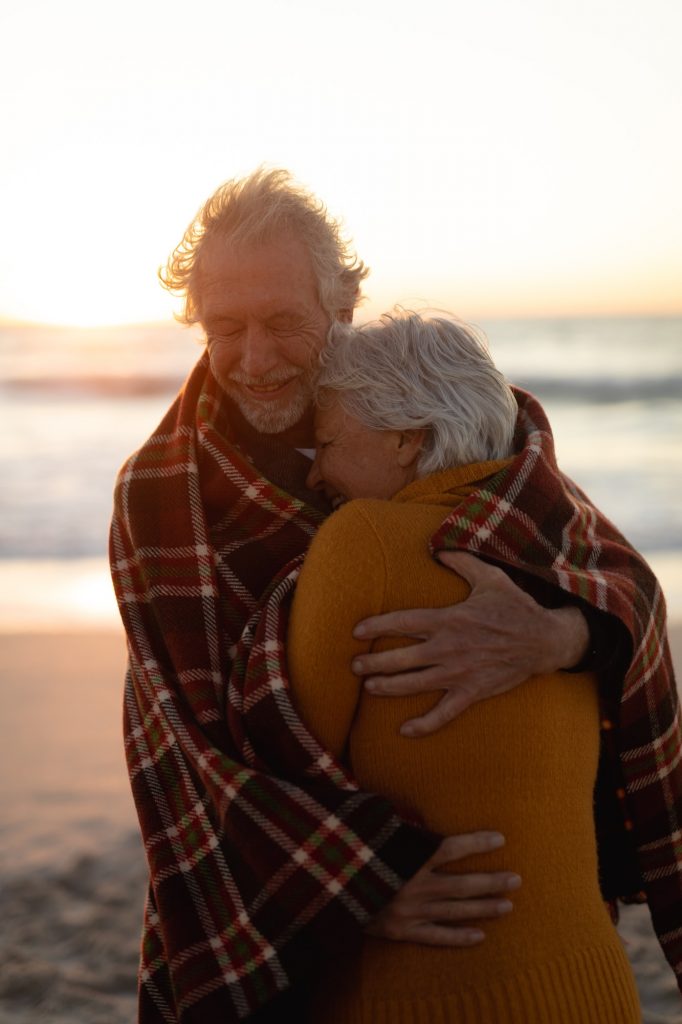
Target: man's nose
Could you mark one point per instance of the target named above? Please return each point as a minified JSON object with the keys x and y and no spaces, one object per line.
{"x":259,"y":354}
{"x":314,"y":481}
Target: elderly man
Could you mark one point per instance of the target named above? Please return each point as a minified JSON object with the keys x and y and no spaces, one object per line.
{"x":266,"y":299}
{"x":262,"y":852}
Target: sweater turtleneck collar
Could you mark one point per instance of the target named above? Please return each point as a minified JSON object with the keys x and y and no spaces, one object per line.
{"x":456,"y":481}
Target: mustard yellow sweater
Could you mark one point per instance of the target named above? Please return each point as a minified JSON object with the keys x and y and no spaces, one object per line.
{"x":523,"y":763}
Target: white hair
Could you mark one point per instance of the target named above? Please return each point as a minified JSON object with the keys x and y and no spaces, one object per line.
{"x":249,"y":211}
{"x":406,"y":372}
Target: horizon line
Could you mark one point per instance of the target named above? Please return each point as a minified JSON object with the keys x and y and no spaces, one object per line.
{"x":9,"y":322}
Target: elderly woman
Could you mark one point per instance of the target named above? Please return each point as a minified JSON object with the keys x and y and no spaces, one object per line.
{"x":412,"y":416}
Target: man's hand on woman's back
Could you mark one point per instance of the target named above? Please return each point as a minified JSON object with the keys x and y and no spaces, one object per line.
{"x":438,"y":908}
{"x":480,"y":648}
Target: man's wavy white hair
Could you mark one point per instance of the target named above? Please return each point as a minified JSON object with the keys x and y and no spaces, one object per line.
{"x":407,"y":371}
{"x":252,"y":210}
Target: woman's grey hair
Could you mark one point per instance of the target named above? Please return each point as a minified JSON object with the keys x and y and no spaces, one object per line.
{"x":406,"y":371}
{"x":252,"y":210}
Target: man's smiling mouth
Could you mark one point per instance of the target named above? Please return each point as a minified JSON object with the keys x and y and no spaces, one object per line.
{"x":264,"y":390}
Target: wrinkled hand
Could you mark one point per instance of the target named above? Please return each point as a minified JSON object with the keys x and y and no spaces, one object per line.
{"x":480,"y":648}
{"x":436,"y":908}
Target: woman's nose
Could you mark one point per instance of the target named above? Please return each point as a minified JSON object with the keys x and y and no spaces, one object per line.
{"x":314,"y":481}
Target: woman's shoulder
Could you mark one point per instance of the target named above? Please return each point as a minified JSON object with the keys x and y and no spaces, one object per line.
{"x":373,"y":538}
{"x":382,"y":515}
{"x":375,"y":522}
{"x":343,"y":577}
{"x":388,"y":522}
{"x":354,"y":528}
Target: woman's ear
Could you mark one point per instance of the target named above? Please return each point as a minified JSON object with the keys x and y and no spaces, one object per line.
{"x":410,"y":445}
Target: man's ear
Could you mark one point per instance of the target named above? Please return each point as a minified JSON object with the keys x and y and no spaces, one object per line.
{"x":410,"y":445}
{"x":345,"y":316}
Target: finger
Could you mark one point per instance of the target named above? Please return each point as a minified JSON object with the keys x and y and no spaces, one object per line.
{"x":452,"y":887}
{"x":424,"y":680}
{"x":467,"y":910}
{"x":417,"y":622}
{"x":473,"y":569}
{"x":464,"y":845}
{"x":439,"y":935}
{"x":451,"y":704}
{"x":393,"y":662}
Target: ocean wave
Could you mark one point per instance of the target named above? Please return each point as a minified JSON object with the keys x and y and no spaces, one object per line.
{"x":602,"y":390}
{"x":595,"y":390}
{"x":111,"y":386}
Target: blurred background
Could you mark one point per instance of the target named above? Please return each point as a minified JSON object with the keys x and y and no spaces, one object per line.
{"x":517,"y":164}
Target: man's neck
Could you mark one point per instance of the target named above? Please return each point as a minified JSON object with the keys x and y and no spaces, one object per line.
{"x":277,"y":455}
{"x":300,"y":435}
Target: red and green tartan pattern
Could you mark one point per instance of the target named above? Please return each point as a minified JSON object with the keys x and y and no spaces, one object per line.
{"x":529,"y":516}
{"x":263,"y":854}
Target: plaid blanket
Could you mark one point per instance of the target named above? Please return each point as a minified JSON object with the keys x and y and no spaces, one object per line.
{"x":531,"y":517}
{"x":263,"y":854}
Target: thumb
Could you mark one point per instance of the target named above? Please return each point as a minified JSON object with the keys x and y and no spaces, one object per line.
{"x":474,"y":571}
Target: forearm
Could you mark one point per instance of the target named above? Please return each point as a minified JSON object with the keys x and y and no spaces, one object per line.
{"x":512,"y":626}
{"x":581,"y":637}
{"x":609,"y":649}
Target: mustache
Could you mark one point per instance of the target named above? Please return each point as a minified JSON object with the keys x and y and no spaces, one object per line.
{"x":266,"y":380}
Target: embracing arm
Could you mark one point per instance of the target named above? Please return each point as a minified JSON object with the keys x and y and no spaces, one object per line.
{"x":480,"y":648}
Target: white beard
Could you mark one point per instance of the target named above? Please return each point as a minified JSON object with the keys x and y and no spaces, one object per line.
{"x":276,"y":416}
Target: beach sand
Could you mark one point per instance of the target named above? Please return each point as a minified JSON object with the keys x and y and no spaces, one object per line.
{"x":71,"y":864}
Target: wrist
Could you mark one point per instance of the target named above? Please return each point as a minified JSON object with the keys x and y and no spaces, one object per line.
{"x":573,"y":650}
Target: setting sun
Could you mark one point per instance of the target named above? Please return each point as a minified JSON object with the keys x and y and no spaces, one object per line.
{"x":475,"y":168}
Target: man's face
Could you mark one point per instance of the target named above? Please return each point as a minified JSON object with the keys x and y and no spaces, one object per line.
{"x":264,"y":326}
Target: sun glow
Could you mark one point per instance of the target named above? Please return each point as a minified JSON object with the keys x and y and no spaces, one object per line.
{"x":95,"y":262}
{"x":475,"y":168}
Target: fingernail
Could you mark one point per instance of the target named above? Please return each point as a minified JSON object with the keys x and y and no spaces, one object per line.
{"x":514,"y":882}
{"x":496,"y":840}
{"x":356,"y":666}
{"x":369,"y":683}
{"x":407,"y":730}
{"x":475,"y":936}
{"x":504,"y":906}
{"x":359,"y":631}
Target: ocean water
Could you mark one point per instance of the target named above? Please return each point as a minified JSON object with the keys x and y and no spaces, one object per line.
{"x":75,"y":402}
{"x":73,"y":405}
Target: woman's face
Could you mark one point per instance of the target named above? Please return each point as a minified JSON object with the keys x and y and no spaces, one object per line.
{"x":353,"y":461}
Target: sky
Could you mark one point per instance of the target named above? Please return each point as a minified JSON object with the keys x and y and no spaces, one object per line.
{"x":495,"y":158}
